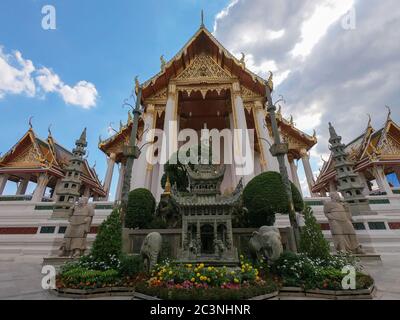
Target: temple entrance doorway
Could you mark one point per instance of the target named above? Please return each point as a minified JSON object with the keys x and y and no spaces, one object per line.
{"x":207,"y":239}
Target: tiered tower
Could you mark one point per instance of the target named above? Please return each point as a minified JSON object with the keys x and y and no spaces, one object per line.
{"x":69,"y":190}
{"x":349,"y":182}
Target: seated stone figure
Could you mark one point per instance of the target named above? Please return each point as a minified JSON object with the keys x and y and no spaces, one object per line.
{"x":74,"y":244}
{"x":340,"y":222}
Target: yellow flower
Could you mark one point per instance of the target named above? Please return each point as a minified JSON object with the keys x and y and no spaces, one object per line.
{"x":209,"y":268}
{"x":208,"y":279}
{"x":242,"y":270}
{"x":193,"y":280}
{"x":236,"y":280}
{"x":241,"y":256}
{"x":195,"y":269}
{"x":198,"y":274}
{"x":201,"y":265}
{"x":170,"y":272}
{"x":232,"y":272}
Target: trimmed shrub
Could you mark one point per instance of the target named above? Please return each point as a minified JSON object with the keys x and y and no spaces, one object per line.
{"x":312,"y":241}
{"x":265,"y":195}
{"x":130,"y":265}
{"x":108,"y":243}
{"x":141,"y":207}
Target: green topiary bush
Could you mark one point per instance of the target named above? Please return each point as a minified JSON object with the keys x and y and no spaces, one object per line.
{"x":312,"y":241}
{"x":108,"y":243}
{"x":130,"y":265}
{"x":265,"y":195}
{"x":141,"y":207}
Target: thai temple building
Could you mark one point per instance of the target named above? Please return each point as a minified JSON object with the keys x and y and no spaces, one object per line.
{"x":205,"y":86}
{"x":202,"y":86}
{"x":375,"y":154}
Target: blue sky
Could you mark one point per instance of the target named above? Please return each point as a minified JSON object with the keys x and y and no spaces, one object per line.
{"x":102,"y":42}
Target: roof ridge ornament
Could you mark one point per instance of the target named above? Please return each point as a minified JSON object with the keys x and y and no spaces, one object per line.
{"x":389,"y":113}
{"x":30,"y":123}
{"x":270,"y":82}
{"x":202,"y":19}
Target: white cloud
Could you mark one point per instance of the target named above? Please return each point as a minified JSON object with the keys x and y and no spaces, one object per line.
{"x":317,"y":25}
{"x":335,"y":74}
{"x":19,"y":76}
{"x":82,"y":94}
{"x":15,"y":75}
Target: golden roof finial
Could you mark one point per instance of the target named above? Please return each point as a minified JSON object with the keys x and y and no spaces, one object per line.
{"x":163,"y":62}
{"x":167,"y":189}
{"x":137,"y":85}
{"x":314,"y":135}
{"x":291,"y":120}
{"x":49,"y":130}
{"x":270,"y":82}
{"x":369,"y":125}
{"x":242,"y":59}
{"x":30,"y":123}
{"x":389,"y":112}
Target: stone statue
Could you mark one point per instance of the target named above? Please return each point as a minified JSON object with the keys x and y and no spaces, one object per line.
{"x":340,"y":222}
{"x":219,"y":247}
{"x":194,"y":247}
{"x":74,"y":244}
{"x":151,"y":248}
{"x":266,"y":244}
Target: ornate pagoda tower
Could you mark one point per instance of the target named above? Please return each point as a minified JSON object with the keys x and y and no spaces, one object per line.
{"x":69,"y":191}
{"x":349,"y":182}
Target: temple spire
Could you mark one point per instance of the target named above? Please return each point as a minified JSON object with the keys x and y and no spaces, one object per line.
{"x":332,"y":133}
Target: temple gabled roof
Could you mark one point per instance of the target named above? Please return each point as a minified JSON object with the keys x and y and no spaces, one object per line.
{"x":34,"y":155}
{"x":203,"y":42}
{"x":372,"y":147}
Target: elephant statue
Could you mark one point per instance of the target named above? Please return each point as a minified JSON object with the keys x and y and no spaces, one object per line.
{"x":150,"y":250}
{"x":266,"y":244}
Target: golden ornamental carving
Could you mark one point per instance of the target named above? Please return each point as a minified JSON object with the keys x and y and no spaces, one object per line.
{"x":247,"y":94}
{"x":162,"y":94}
{"x":203,"y":67}
{"x":203,"y":89}
{"x":390,"y":148}
{"x":28,"y":157}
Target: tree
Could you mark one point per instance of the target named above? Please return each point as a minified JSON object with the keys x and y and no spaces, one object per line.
{"x":141,"y":207}
{"x":265,"y":195}
{"x":108,"y":242}
{"x":312,"y":241}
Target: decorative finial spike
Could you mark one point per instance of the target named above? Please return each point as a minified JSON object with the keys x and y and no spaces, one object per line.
{"x":270,"y":82}
{"x":369,"y":120}
{"x":389,"y":112}
{"x":49,"y":129}
{"x":163,"y":62}
{"x":137,"y":85}
{"x":30,"y":122}
{"x":202,"y":19}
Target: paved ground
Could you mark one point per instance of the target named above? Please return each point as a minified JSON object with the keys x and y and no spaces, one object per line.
{"x":20,"y":278}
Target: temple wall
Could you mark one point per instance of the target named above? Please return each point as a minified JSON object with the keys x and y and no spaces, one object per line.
{"x":27,"y":230}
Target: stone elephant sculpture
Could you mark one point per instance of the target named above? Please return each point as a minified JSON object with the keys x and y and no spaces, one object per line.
{"x":150,"y":249}
{"x":266,"y":244}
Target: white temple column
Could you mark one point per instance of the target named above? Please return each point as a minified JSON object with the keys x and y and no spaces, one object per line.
{"x":381,"y":180}
{"x":154,"y":180}
{"x":118,"y":191}
{"x":242,"y":145}
{"x":308,"y":171}
{"x":366,"y":190}
{"x":169,"y":144}
{"x":109,"y":175}
{"x":3,"y":182}
{"x":22,"y":186}
{"x":41,"y":185}
{"x":234,"y":177}
{"x":140,"y":168}
{"x":295,"y":176}
{"x":268,"y":161}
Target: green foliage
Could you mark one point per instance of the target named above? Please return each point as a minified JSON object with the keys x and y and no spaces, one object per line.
{"x":158,"y":223}
{"x":265,"y":195}
{"x":108,"y":243}
{"x":312,"y":241}
{"x":130,"y":265}
{"x":82,"y":278}
{"x":141,"y":207}
{"x":297,"y":199}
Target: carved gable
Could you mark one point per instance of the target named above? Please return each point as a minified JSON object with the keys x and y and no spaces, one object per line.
{"x":24,"y":158}
{"x":203,"y":67}
{"x":390,"y":147}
